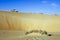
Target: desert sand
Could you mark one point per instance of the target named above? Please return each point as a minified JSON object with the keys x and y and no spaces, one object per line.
{"x":20,"y":35}
{"x":25,"y":21}
{"x":14,"y":25}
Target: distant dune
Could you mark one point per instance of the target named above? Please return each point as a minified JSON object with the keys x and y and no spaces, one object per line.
{"x":25,"y":21}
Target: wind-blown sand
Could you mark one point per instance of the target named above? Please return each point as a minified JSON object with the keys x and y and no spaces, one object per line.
{"x":25,"y":21}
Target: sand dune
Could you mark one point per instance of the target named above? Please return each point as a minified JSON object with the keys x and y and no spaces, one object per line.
{"x":25,"y":22}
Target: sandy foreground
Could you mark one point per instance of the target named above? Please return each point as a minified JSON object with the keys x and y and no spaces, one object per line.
{"x":20,"y":35}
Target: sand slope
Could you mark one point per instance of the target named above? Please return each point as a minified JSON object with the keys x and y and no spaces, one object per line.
{"x":23,"y":21}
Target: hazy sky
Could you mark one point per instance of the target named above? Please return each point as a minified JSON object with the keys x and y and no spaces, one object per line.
{"x":34,"y":6}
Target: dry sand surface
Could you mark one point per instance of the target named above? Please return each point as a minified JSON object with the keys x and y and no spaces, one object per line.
{"x":25,"y":21}
{"x":20,"y":35}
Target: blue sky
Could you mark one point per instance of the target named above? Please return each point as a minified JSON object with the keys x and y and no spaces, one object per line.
{"x":33,"y":6}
